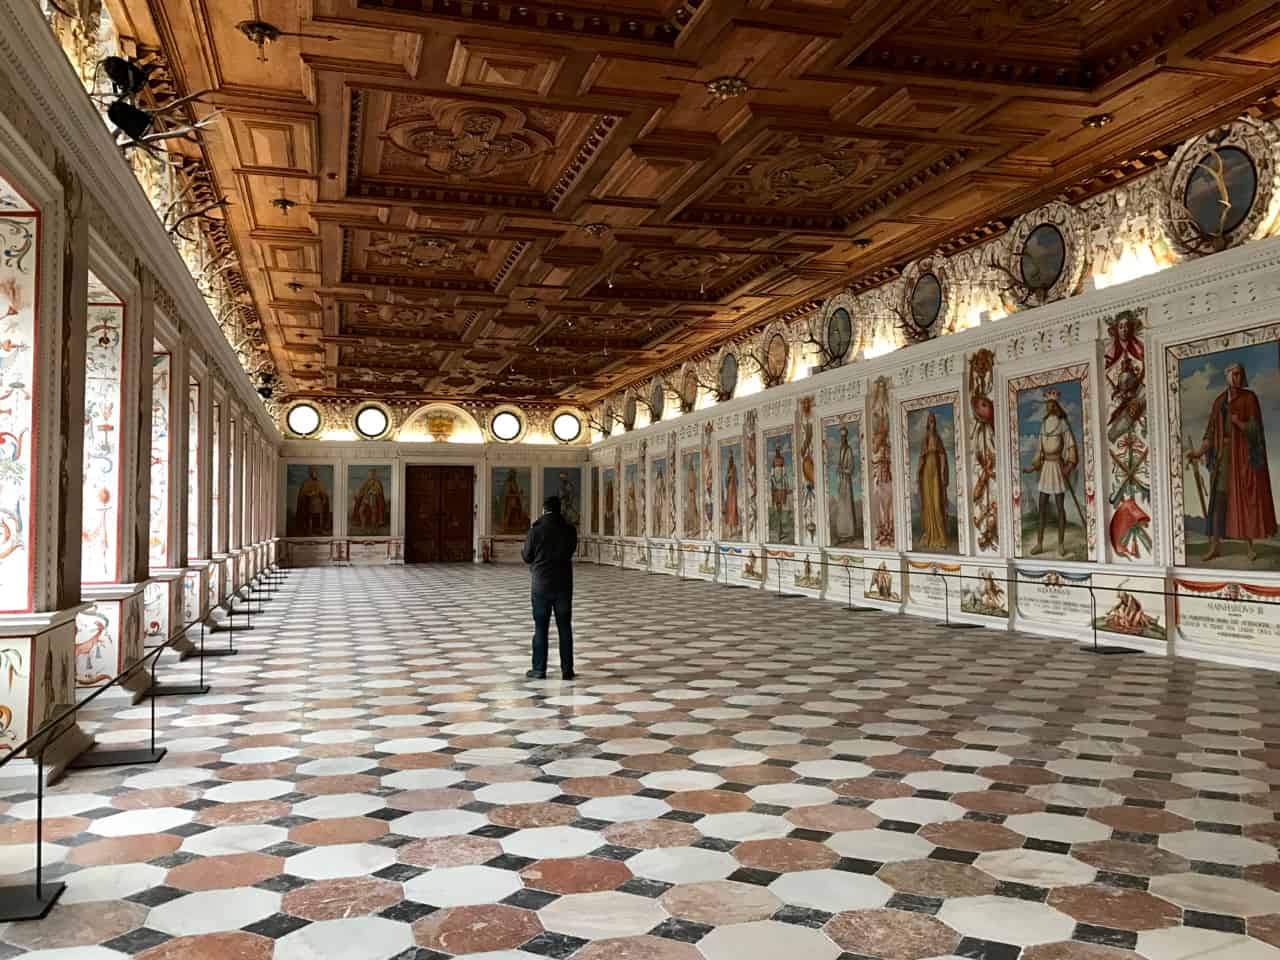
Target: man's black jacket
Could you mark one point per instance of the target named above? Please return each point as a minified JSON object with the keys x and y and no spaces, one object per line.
{"x":549,"y":550}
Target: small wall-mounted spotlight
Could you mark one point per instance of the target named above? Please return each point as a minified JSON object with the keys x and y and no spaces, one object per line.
{"x":1096,"y":121}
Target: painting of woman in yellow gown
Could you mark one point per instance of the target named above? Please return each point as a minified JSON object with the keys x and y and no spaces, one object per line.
{"x":933,"y":507}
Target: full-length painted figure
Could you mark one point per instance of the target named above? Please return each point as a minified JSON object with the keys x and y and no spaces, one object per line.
{"x":369,"y":511}
{"x":847,"y":525}
{"x":933,"y":476}
{"x":312,"y":507}
{"x":732,"y":518}
{"x":1055,"y":460}
{"x":1234,"y":448}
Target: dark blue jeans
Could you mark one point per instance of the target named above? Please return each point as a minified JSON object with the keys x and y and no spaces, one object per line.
{"x":561,"y":604}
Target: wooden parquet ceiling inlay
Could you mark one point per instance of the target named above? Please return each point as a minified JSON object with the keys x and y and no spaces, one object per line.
{"x":483,"y":200}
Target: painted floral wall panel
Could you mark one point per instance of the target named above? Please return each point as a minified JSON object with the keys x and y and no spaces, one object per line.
{"x":215,"y":479}
{"x":19,"y":238}
{"x":160,"y":439}
{"x":193,"y":470}
{"x":104,"y":371}
{"x":233,"y":493}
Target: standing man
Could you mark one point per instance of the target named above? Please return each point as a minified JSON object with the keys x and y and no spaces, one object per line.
{"x":1055,"y":461}
{"x":548,"y":549}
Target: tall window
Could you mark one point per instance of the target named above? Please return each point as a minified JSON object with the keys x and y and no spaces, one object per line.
{"x":193,"y":468}
{"x":103,"y":392}
{"x":161,"y":364}
{"x":19,"y":269}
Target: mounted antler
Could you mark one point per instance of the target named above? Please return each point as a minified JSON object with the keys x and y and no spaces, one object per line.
{"x":200,"y":213}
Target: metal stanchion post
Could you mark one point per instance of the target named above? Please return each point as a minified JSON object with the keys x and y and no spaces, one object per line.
{"x":32,"y":903}
{"x":946,"y":600}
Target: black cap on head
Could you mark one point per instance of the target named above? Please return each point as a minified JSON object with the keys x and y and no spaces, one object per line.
{"x":551,"y":505}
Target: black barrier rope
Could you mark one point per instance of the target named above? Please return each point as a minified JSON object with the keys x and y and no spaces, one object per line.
{"x":35,"y":901}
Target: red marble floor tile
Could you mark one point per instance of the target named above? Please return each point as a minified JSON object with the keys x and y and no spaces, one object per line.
{"x":213,"y":946}
{"x":242,"y":813}
{"x":444,"y":798}
{"x":325,"y":751}
{"x":653,"y":762}
{"x":77,"y":925}
{"x":523,"y":815}
{"x":651,"y":834}
{"x":155,"y":797}
{"x":797,"y":752}
{"x":497,"y":772}
{"x":1266,"y":929}
{"x":460,"y":851}
{"x":493,"y":926}
{"x":224,"y":872}
{"x":1266,"y":874}
{"x":891,"y":934}
{"x":55,"y":829}
{"x":904,"y":763}
{"x":345,"y":897}
{"x":937,"y":878}
{"x":262,"y":740}
{"x":720,"y":902}
{"x":480,"y":742}
{"x":1144,"y":788}
{"x":1123,"y":856}
{"x":347,"y":783}
{"x":1118,"y":908}
{"x":710,"y":801}
{"x":575,"y":875}
{"x":784,"y":855}
{"x":419,"y":761}
{"x":1024,"y":776}
{"x":758,"y":774}
{"x":1074,"y":950}
{"x":257,"y":771}
{"x":600,"y":786}
{"x":832,"y":818}
{"x":997,"y":801}
{"x":1140,"y":819}
{"x":872,"y":788}
{"x":134,"y":849}
{"x":638,"y":948}
{"x":974,"y":835}
{"x":338,"y":830}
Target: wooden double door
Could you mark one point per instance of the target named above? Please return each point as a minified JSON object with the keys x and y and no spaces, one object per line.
{"x":439,"y":514}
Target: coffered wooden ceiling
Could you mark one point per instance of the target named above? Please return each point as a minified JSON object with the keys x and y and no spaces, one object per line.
{"x":417,"y":203}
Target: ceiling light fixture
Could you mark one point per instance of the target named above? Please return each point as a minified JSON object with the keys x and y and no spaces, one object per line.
{"x":1096,"y":121}
{"x":725,"y":88}
{"x":595,"y":229}
{"x":261,"y":33}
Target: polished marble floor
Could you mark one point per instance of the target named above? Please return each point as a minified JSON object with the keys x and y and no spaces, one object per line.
{"x":733,"y":776}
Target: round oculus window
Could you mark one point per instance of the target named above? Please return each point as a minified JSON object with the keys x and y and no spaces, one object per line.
{"x":1221,"y":190}
{"x":505,"y":426}
{"x":567,"y":427}
{"x":926,"y":301}
{"x":371,"y":422}
{"x":303,"y":419}
{"x":1044,"y":254}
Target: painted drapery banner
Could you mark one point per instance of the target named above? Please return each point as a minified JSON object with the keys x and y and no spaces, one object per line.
{"x":929,"y":463}
{"x":565,"y":483}
{"x":779,"y":459}
{"x":512,"y":487}
{"x":369,"y":500}
{"x":1224,"y":412}
{"x":161,"y":385}
{"x":100,"y":513}
{"x":842,"y":463}
{"x":1053,"y":471}
{"x":981,"y":452}
{"x":691,"y":513}
{"x":731,"y":524}
{"x":309,"y":499}
{"x":1128,"y":452}
{"x":883,"y":535}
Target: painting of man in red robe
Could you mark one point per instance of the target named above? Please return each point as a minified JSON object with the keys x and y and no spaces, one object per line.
{"x":370,"y":515}
{"x":1231,"y":473}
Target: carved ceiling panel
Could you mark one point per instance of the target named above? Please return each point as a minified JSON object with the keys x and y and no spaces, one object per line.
{"x":479,"y":201}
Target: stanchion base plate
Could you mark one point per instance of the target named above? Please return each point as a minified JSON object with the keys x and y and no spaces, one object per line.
{"x":961,"y":625}
{"x":222,"y":652}
{"x":23,"y":903}
{"x":861,"y":609}
{"x":1107,"y":651}
{"x":787,"y":596}
{"x":116,"y":758}
{"x":178,"y":690}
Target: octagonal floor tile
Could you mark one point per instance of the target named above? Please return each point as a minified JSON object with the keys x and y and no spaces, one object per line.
{"x":212,"y":911}
{"x":462,"y":886}
{"x":596,"y":916}
{"x":767,"y":940}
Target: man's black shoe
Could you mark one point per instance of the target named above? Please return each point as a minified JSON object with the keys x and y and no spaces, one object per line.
{"x":535,"y":675}
{"x":569,"y":676}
